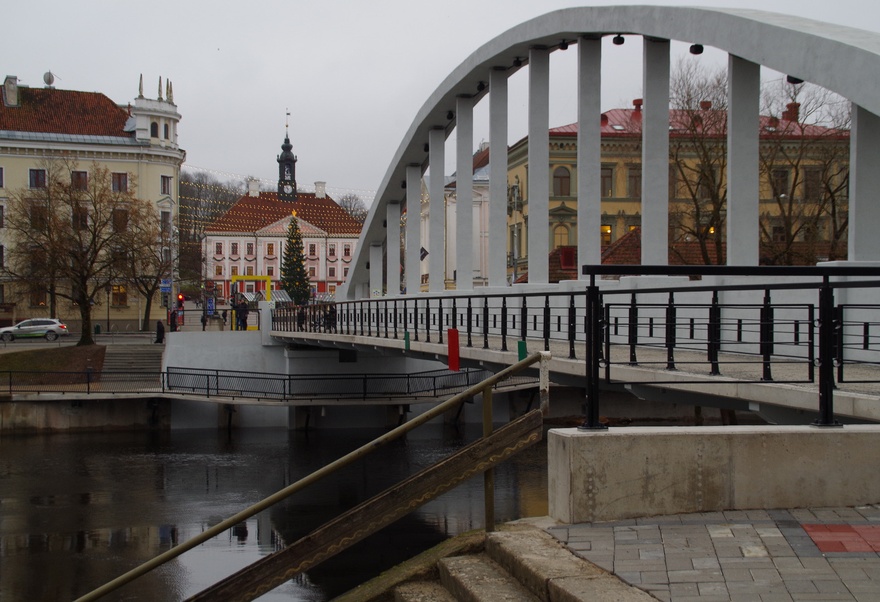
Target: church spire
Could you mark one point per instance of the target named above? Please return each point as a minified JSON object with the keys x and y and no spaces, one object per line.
{"x":287,"y":167}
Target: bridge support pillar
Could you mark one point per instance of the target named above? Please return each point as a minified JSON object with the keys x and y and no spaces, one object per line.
{"x":589,"y":159}
{"x":864,"y":182}
{"x":437,"y":212}
{"x":392,"y":246}
{"x":413,"y":232}
{"x":464,"y":191}
{"x":539,"y":166}
{"x":497,"y":259}
{"x":655,"y":154}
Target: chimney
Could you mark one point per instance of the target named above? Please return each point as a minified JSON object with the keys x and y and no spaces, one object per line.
{"x":792,"y":112}
{"x":604,"y":119}
{"x":705,"y":104}
{"x":320,"y":190}
{"x":10,"y":91}
{"x":637,"y":103}
{"x":253,"y":187}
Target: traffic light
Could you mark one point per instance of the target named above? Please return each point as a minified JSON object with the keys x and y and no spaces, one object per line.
{"x":179,"y":300}
{"x":165,"y":299}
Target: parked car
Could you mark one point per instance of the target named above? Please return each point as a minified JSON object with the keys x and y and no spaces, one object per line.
{"x":35,"y":327}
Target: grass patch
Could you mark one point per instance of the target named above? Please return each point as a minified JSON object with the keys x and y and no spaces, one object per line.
{"x":59,"y":359}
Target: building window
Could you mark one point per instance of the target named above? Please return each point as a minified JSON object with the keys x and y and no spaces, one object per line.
{"x":80,"y":217}
{"x":250,"y":249}
{"x":270,"y":270}
{"x":1,"y":177}
{"x":118,"y":295}
{"x":166,"y":255}
{"x":166,"y":184}
{"x":165,"y":222}
{"x":331,"y":250}
{"x":2,"y":293}
{"x":218,"y":270}
{"x":37,"y":178}
{"x":249,"y":270}
{"x":2,"y":256}
{"x":154,"y":130}
{"x":606,"y":235}
{"x":634,"y":181}
{"x":812,"y":184}
{"x":120,"y":220}
{"x":778,"y":234}
{"x":39,"y":216}
{"x":233,"y":249}
{"x":607,"y":180}
{"x":270,"y":248}
{"x":218,"y":248}
{"x":234,"y":270}
{"x":119,"y":182}
{"x":79,"y":180}
{"x":37,"y":297}
{"x":779,"y":182}
{"x":345,"y":272}
{"x":313,"y":249}
{"x":560,"y":236}
{"x":561,"y":182}
{"x":165,"y":127}
{"x":2,"y":216}
{"x":312,"y":271}
{"x":346,"y":250}
{"x":331,"y":272}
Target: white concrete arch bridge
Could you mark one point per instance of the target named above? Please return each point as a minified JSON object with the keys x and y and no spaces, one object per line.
{"x":758,"y":324}
{"x":843,"y":60}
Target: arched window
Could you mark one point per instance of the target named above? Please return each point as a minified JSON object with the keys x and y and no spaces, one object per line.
{"x":561,"y":182}
{"x":560,"y":236}
{"x":154,"y":130}
{"x":166,"y":131}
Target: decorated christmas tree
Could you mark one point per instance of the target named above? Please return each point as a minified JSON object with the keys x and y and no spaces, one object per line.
{"x":294,"y":278}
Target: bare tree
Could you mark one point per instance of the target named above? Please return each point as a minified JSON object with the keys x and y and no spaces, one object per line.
{"x":698,"y":158}
{"x":804,"y":158}
{"x":354,"y":206}
{"x":66,"y":236}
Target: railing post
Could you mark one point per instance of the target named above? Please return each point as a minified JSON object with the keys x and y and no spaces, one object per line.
{"x":571,"y":327}
{"x":593,"y":353}
{"x":546,"y":322}
{"x":394,"y":309}
{"x":633,"y":329}
{"x":415,"y":319}
{"x":767,"y":335}
{"x":827,"y":326}
{"x":485,"y":322}
{"x":470,"y":318}
{"x":504,"y":323}
{"x":670,"y":332}
{"x":524,"y":319}
{"x":385,"y":309}
{"x":440,"y":320}
{"x":838,"y":341}
{"x":714,"y":334}
{"x":427,"y":320}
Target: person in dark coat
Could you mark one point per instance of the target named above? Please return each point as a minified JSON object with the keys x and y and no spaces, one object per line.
{"x":172,"y":321}
{"x":160,"y":332}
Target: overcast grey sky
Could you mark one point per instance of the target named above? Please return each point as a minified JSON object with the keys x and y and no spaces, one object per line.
{"x":352,"y":73}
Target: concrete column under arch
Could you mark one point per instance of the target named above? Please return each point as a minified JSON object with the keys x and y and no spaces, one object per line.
{"x":376,"y":273}
{"x":655,"y":153}
{"x":743,"y":125}
{"x":413,"y":232}
{"x":498,"y":112}
{"x":539,"y":165}
{"x":437,"y":212}
{"x":392,"y":248}
{"x":864,"y":183}
{"x":589,"y":153}
{"x":464,"y":194}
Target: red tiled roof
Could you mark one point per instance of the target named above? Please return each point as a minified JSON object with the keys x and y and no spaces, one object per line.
{"x":48,"y":110}
{"x":627,"y":123}
{"x":251,"y":213}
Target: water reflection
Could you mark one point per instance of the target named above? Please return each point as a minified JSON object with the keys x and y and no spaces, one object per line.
{"x":78,"y":510}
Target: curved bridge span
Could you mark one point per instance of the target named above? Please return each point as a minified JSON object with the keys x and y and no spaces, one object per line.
{"x":843,"y":60}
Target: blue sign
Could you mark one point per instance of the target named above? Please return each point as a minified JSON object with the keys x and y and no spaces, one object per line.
{"x":165,"y":285}
{"x":209,"y":306}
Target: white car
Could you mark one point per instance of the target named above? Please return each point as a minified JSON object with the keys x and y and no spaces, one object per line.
{"x":50,"y":328}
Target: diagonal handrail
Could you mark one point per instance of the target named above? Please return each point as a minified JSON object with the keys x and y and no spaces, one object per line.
{"x":314,"y":477}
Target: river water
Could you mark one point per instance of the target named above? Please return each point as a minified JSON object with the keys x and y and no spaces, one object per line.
{"x":77,"y":510}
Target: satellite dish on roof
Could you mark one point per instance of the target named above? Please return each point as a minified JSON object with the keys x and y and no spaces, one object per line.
{"x":48,"y":78}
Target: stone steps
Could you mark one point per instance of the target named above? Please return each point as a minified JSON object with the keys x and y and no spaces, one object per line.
{"x":133,"y":358}
{"x":524,"y":564}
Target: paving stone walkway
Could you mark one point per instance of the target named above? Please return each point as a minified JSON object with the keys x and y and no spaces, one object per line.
{"x":764,"y":555}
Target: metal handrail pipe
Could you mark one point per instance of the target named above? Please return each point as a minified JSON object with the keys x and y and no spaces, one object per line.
{"x":308,"y":480}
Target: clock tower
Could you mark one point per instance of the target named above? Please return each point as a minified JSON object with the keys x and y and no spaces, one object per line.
{"x":286,"y":171}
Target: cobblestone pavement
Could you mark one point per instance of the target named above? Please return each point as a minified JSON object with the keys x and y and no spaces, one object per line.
{"x":764,"y":555}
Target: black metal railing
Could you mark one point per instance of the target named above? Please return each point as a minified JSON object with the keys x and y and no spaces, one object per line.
{"x":786,"y":327}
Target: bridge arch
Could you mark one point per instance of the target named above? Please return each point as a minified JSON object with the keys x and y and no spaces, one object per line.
{"x":841,"y":59}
